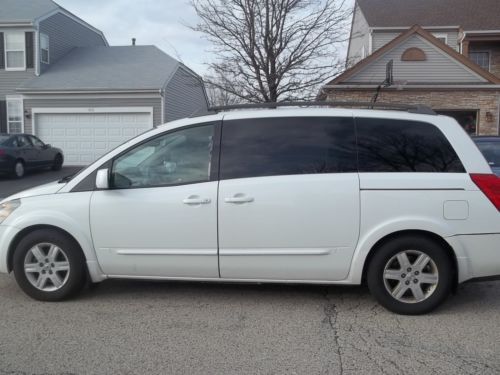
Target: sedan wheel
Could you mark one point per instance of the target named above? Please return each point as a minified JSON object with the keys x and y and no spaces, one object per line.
{"x":410,"y":275}
{"x":19,"y":169}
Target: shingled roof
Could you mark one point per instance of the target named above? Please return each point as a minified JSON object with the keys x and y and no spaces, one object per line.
{"x":104,"y":68}
{"x":468,"y":14}
{"x":25,"y":10}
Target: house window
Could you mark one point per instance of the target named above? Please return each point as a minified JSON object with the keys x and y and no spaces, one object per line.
{"x":44,"y":48}
{"x":15,"y":50}
{"x":14,"y":115}
{"x":467,"y":119}
{"x":481,"y":58}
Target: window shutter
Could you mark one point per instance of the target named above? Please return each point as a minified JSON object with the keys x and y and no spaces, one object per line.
{"x":2,"y":54}
{"x":3,"y":116}
{"x":29,"y":50}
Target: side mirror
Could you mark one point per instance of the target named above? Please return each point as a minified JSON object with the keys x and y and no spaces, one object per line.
{"x":46,"y":146}
{"x":102,"y":179}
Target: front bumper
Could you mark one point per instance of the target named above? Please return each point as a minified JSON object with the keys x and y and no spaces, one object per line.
{"x":7,"y":234}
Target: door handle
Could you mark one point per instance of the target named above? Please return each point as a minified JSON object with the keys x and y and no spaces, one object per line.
{"x":239,"y":198}
{"x":195,"y":200}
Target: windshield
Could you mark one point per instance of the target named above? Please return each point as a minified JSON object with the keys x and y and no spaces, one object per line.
{"x":491,"y":152}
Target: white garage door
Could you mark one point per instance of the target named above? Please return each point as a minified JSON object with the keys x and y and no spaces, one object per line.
{"x":84,"y":137}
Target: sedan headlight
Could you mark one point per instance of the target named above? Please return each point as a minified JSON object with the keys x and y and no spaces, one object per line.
{"x":7,"y":208}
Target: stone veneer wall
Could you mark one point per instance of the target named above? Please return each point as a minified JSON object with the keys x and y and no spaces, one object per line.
{"x":482,"y":100}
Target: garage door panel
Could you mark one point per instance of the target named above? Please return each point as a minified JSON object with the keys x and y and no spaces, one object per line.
{"x":85,"y":137}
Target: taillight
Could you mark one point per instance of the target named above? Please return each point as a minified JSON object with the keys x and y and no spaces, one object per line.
{"x":490,"y":186}
{"x":2,"y":152}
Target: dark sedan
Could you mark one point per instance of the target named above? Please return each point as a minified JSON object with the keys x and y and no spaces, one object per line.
{"x":21,"y":152}
{"x":490,"y":147}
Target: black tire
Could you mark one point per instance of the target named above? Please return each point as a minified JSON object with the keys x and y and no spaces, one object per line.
{"x":58,"y":162}
{"x":77,"y":272}
{"x":18,"y":169}
{"x":436,"y":294}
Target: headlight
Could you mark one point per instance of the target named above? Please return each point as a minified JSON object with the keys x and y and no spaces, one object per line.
{"x":7,"y":208}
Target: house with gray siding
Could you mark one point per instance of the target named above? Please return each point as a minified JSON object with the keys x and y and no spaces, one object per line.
{"x":60,"y":80}
{"x":444,"y":53}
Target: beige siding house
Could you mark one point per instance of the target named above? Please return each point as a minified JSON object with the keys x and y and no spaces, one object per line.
{"x":445,"y":54}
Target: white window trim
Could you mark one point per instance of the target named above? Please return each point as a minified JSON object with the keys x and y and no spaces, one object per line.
{"x":42,"y":37}
{"x":482,"y":51}
{"x":14,"y":50}
{"x":441,"y":35}
{"x":15,"y":99}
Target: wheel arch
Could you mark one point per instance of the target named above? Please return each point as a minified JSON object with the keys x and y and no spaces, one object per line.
{"x":19,"y":236}
{"x":450,"y":252}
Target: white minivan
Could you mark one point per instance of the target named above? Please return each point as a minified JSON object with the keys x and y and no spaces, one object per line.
{"x":404,"y":202}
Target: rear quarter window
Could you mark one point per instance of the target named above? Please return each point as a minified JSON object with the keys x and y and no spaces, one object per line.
{"x":404,"y":146}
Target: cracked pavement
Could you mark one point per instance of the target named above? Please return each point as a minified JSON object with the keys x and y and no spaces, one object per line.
{"x":132,"y":327}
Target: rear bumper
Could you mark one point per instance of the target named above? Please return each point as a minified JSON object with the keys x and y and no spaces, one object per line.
{"x":482,"y":255}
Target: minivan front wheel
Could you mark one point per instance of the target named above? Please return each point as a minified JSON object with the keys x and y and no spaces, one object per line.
{"x":48,"y":265}
{"x":410,"y":275}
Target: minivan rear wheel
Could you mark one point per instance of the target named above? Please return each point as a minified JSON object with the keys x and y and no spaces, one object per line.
{"x":410,"y":275}
{"x":49,"y":266}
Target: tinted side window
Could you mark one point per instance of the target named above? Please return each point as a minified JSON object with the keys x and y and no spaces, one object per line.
{"x":287,"y":146}
{"x":404,"y":146}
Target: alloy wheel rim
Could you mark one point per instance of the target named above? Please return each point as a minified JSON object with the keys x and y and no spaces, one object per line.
{"x":19,"y":169}
{"x":46,"y":267}
{"x":411,"y":276}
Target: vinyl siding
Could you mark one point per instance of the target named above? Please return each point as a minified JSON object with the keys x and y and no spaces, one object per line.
{"x":184,"y":96}
{"x":11,"y":80}
{"x":360,"y":38}
{"x":438,"y":68}
{"x":381,"y":38}
{"x":66,"y":34}
{"x":29,"y":104}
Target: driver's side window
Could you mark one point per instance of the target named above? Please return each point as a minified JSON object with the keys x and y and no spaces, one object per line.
{"x":180,"y":157}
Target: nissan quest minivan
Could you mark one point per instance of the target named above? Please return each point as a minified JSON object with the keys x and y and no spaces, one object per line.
{"x":404,"y":202}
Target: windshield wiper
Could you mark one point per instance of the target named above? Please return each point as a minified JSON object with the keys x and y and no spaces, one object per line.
{"x":66,"y":179}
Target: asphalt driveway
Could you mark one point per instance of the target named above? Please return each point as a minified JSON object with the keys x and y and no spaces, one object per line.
{"x":9,"y":185}
{"x":131,"y":327}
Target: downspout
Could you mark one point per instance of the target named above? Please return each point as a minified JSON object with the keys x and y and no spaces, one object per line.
{"x":37,"y":50}
{"x":162,"y":97}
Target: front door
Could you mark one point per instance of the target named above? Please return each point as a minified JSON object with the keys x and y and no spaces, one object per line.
{"x":159,"y":218}
{"x":288,"y":198}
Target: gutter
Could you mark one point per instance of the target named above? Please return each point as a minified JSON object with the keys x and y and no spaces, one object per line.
{"x":89,"y":91}
{"x":404,"y":87}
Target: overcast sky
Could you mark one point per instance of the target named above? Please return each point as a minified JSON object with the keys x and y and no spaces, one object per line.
{"x":159,"y":22}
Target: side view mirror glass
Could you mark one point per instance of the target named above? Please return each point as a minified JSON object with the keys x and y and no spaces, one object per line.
{"x":102,"y":179}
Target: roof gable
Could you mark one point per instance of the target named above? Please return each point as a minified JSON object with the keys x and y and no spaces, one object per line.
{"x":418,"y":38}
{"x":470,"y":15}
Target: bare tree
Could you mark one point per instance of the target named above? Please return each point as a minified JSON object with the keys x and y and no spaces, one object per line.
{"x":218,"y":94}
{"x":273,"y":50}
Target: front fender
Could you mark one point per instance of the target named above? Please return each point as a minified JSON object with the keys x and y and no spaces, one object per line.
{"x":68,"y":212}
